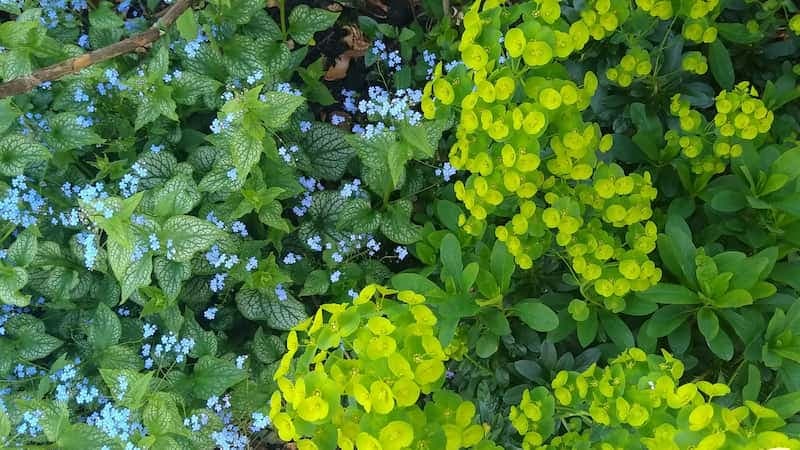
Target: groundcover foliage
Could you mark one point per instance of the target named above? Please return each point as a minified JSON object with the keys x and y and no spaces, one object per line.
{"x":429,"y":225}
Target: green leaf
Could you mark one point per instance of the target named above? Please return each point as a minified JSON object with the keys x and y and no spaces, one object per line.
{"x":5,"y":426}
{"x":127,"y":387}
{"x":23,"y":249}
{"x":787,"y":405}
{"x":666,"y":293}
{"x":179,"y":195}
{"x":187,"y":25}
{"x":66,"y":134}
{"x":152,"y":106}
{"x":728,"y":201}
{"x":617,"y":330}
{"x":11,"y":281}
{"x":280,"y":315}
{"x":190,"y":235}
{"x":80,"y":436}
{"x":326,"y":151}
{"x":276,"y":108}
{"x":536,"y":315}
{"x":486,"y":345}
{"x":666,"y":320}
{"x":528,"y":369}
{"x":270,"y":215}
{"x":587,"y":329}
{"x":268,"y":348}
{"x":317,"y":283}
{"x":104,"y":17}
{"x":18,"y":153}
{"x":205,"y":342}
{"x":708,"y":322}
{"x":751,"y":390}
{"x":502,"y":265}
{"x":734,"y":299}
{"x":496,"y":322}
{"x":136,"y":275}
{"x":721,"y":345}
{"x":171,"y":275}
{"x":105,"y":329}
{"x":397,"y":227}
{"x":719,"y":61}
{"x":450,"y":254}
{"x":305,"y":21}
{"x":213,"y":376}
{"x":161,"y":415}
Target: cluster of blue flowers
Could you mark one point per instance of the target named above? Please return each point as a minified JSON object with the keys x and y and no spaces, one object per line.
{"x":287,"y":153}
{"x":115,"y":422}
{"x":192,"y":47}
{"x":384,"y":107}
{"x":129,"y":184}
{"x":21,"y":204}
{"x":230,"y":437}
{"x":69,"y":385}
{"x":169,"y":344}
{"x":446,"y":171}
{"x":31,"y":122}
{"x":288,"y":89}
{"x":54,"y":10}
{"x":310,"y":185}
{"x":352,"y":189}
{"x":430,"y":59}
{"x":217,"y":125}
{"x":391,"y":58}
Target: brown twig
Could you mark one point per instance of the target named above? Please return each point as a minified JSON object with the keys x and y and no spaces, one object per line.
{"x":74,"y":65}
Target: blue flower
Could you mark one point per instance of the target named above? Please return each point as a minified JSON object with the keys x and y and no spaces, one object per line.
{"x":337,"y":119}
{"x":259,"y":422}
{"x":155,"y":244}
{"x":446,"y":171}
{"x":148,"y":330}
{"x":240,"y":228}
{"x":87,"y":240}
{"x":280,"y":292}
{"x":195,"y":422}
{"x":232,"y":175}
{"x":305,"y":126}
{"x":291,"y":258}
{"x":252,"y":263}
{"x":401,"y":252}
{"x":210,"y":313}
{"x":30,"y":423}
{"x":335,"y":276}
{"x":122,"y":386}
{"x":240,"y":360}
{"x":218,"y":282}
{"x":314,"y":243}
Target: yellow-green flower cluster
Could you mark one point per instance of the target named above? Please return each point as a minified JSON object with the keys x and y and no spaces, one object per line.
{"x":694,"y":62}
{"x":656,"y":8}
{"x":361,"y":371}
{"x":635,"y":64}
{"x":705,"y":157}
{"x":640,"y":400}
{"x":741,"y":113}
{"x":794,"y":24}
{"x":699,"y":15}
{"x":533,"y":162}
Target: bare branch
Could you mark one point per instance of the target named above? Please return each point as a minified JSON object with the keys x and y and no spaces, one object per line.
{"x":27,"y":83}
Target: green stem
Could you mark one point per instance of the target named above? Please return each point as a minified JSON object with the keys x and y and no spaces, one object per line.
{"x":282,"y":8}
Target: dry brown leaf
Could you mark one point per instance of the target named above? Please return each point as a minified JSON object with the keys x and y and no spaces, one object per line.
{"x":358,"y":45}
